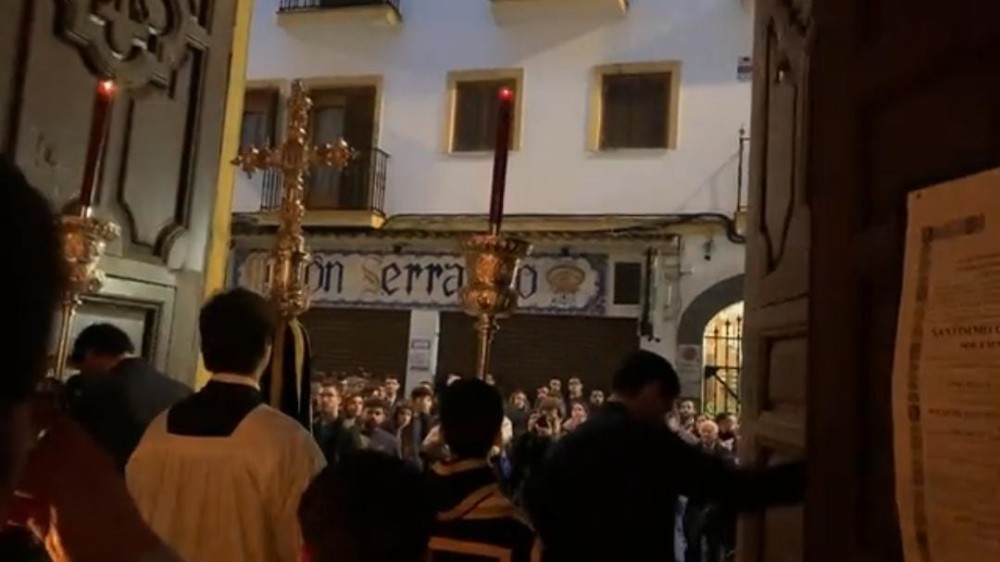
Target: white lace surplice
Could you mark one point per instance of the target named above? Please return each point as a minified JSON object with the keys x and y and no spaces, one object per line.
{"x":219,"y":499}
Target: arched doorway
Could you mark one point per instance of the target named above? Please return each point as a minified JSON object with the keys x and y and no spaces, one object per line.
{"x":698,"y":360}
{"x":722,"y":350}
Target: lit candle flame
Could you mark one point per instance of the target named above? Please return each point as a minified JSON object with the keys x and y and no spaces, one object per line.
{"x":107,"y":87}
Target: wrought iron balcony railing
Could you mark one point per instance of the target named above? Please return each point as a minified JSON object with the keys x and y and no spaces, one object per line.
{"x":358,"y":187}
{"x":299,"y":5}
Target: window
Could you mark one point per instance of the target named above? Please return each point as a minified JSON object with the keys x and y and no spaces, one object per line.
{"x":474,"y":103}
{"x":627,"y":283}
{"x":260,"y":114}
{"x":636,"y":106}
{"x":348,"y":113}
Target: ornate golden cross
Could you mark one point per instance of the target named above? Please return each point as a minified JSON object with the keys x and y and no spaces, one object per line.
{"x":296,"y":157}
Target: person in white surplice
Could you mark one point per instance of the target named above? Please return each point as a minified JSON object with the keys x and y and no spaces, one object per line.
{"x":219,"y":475}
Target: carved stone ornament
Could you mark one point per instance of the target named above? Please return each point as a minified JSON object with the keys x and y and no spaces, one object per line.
{"x":135,"y":42}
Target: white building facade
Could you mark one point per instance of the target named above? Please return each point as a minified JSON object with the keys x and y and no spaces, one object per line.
{"x":625,"y":170}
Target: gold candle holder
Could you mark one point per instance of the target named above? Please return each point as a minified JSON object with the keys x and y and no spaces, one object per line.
{"x":84,"y":240}
{"x":492,"y":262}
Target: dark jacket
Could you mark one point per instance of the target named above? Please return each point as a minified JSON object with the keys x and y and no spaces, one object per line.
{"x":381,"y":441}
{"x":475,"y":521}
{"x":528,"y":456}
{"x":608,"y":491}
{"x":116,"y":408}
{"x":336,"y":440}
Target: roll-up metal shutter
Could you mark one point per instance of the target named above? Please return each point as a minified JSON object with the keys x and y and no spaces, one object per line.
{"x":531,"y":349}
{"x":345,"y":340}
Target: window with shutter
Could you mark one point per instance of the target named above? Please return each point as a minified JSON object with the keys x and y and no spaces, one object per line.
{"x":260,"y":117}
{"x":635,"y":110}
{"x":324,"y":182}
{"x":345,"y":112}
{"x":475,"y":114}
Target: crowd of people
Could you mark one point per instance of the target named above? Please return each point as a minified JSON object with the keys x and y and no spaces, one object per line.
{"x":132,"y":467}
{"x":367,"y":412}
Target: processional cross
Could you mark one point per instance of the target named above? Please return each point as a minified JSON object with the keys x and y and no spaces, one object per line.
{"x":295,"y":158}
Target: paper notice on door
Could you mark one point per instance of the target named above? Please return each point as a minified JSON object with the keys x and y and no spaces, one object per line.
{"x":946,"y":375}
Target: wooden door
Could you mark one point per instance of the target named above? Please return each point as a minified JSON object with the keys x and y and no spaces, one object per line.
{"x":171,"y":61}
{"x":855,"y":105}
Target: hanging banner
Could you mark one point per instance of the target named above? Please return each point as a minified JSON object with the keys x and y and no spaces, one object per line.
{"x":573,"y":284}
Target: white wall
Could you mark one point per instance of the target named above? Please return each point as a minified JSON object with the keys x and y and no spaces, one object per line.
{"x":553,"y":172}
{"x":680,"y":281}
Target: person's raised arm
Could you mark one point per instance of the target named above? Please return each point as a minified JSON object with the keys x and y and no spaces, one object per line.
{"x":704,"y":477}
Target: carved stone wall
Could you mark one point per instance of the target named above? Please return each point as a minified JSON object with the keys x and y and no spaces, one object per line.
{"x":170,"y":61}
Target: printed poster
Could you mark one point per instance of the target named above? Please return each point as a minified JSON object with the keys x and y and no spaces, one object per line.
{"x":946,"y":375}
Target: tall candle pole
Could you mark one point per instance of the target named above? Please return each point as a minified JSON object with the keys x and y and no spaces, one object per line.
{"x":493,"y":260}
{"x":501,"y":152}
{"x":84,"y":237}
{"x":96,"y":140}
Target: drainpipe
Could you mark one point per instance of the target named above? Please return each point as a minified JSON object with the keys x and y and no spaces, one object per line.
{"x":743,"y":142}
{"x":646,"y":328}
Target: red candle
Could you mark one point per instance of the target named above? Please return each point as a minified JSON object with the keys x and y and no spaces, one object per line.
{"x":505,"y":115}
{"x":95,"y":142}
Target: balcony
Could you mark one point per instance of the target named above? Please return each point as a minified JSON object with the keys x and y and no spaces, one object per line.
{"x":518,"y":11}
{"x":349,"y":198}
{"x":385,"y":12}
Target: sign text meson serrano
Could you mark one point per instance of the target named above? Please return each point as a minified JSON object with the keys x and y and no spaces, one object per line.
{"x":571,"y":284}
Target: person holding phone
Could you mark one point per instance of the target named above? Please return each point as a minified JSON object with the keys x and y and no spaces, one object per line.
{"x":530,"y":449}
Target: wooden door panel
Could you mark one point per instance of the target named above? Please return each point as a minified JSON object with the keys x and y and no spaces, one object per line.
{"x":932,"y":126}
{"x":158,"y":127}
{"x":899,"y":96}
{"x":156,"y":205}
{"x":776,"y":334}
{"x":785,"y":523}
{"x":170,"y":60}
{"x":918,"y":107}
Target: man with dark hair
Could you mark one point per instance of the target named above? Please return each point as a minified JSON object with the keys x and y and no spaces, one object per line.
{"x":335,"y":439}
{"x":222,"y":456}
{"x":392,"y":394}
{"x":99,"y":348}
{"x":633,"y":468}
{"x":68,"y":492}
{"x":116,"y":395}
{"x":422,"y":401}
{"x":368,"y":508}
{"x":374,"y":436}
{"x":475,"y":520}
